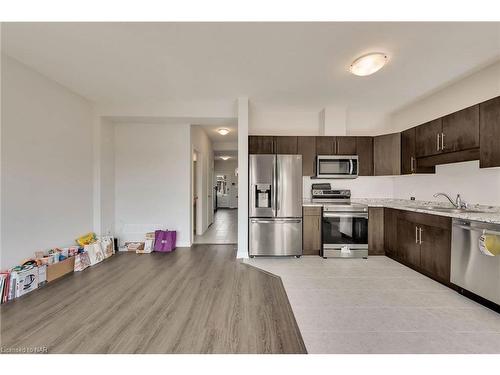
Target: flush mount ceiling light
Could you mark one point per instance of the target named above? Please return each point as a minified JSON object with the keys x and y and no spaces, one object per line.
{"x":368,"y":64}
{"x":225,"y":157}
{"x":223,"y":131}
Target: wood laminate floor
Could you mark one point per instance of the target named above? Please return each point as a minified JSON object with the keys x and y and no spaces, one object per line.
{"x":194,"y":300}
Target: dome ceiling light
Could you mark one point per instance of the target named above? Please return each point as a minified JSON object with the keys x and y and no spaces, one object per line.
{"x":368,"y":64}
{"x":225,"y":157}
{"x":223,"y":131}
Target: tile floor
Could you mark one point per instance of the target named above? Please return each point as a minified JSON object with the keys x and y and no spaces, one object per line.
{"x":224,"y":229}
{"x":380,"y":306}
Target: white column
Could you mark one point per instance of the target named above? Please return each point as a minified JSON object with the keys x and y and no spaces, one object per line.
{"x":333,"y":121}
{"x":242,"y":178}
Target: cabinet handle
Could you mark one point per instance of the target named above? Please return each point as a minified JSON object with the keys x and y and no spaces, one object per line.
{"x":420,"y":235}
{"x":416,"y":234}
{"x":442,"y":141}
{"x":412,"y":167}
{"x":438,"y":145}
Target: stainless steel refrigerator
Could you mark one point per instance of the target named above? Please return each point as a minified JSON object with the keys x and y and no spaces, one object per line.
{"x":275,"y":212}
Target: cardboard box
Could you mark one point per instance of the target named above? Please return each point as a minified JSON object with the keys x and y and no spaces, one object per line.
{"x":57,"y":270}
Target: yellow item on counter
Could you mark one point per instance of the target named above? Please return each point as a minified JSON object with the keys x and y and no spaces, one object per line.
{"x":489,"y":244}
{"x":86,"y":239}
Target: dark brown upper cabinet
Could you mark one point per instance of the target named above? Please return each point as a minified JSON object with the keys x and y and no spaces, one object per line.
{"x":345,"y":145}
{"x":408,"y":156}
{"x":461,"y":130}
{"x":489,"y":114}
{"x":306,"y":146}
{"x":409,"y":161}
{"x":285,"y":145}
{"x":387,"y":155}
{"x":260,"y":144}
{"x":326,"y":145}
{"x":364,"y":148}
{"x":428,"y":138}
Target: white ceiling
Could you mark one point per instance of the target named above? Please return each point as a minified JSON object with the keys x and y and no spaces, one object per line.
{"x":277,"y":65}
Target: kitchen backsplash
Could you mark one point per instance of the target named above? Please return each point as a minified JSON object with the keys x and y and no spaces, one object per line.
{"x":476,"y":186}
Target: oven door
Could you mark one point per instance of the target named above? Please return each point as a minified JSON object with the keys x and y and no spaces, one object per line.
{"x":337,"y":166}
{"x":345,"y":234}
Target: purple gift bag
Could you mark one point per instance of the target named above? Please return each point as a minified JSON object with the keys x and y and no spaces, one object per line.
{"x":165,"y":240}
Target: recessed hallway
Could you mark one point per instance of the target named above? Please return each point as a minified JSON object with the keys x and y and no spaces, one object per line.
{"x":224,"y":229}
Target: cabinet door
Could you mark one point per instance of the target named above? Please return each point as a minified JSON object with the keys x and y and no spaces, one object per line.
{"x":387,"y":155}
{"x":346,"y":146}
{"x":408,"y":247}
{"x":312,"y":231}
{"x":364,"y":150}
{"x":427,"y":141}
{"x":306,"y":146}
{"x":461,"y":130}
{"x":258,"y":144}
{"x":390,"y":232}
{"x":435,"y":252}
{"x":325,"y":145}
{"x":408,"y":157}
{"x":376,"y":231}
{"x":285,"y":145}
{"x":490,"y":133}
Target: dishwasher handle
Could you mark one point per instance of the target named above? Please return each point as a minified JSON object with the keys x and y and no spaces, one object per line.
{"x":476,"y":229}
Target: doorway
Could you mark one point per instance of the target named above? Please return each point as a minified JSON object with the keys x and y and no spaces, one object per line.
{"x":215,"y":184}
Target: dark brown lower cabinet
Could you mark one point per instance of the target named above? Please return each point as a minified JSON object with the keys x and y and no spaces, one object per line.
{"x":420,"y":241}
{"x":376,"y":231}
{"x":435,"y":252}
{"x":311,"y":235}
{"x":390,"y":233}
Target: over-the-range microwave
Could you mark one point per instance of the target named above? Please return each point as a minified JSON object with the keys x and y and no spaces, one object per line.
{"x":337,"y":166}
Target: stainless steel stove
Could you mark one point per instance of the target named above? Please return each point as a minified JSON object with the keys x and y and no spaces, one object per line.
{"x":344,"y":224}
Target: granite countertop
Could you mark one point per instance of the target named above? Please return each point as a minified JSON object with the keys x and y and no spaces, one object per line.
{"x":488,"y":214}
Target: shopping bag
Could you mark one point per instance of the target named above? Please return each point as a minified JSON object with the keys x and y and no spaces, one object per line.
{"x":165,"y":240}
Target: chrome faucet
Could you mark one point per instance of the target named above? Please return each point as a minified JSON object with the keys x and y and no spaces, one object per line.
{"x":459,"y":203}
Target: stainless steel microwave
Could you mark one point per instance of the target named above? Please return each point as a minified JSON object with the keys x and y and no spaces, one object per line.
{"x":337,"y":166}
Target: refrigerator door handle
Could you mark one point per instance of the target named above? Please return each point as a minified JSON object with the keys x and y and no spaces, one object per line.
{"x":273,"y":189}
{"x":277,"y":221}
{"x":277,"y":184}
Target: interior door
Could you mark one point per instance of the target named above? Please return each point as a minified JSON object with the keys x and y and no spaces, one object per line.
{"x":289,"y":186}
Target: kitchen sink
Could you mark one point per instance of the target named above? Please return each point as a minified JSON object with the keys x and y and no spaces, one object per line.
{"x":449,"y":209}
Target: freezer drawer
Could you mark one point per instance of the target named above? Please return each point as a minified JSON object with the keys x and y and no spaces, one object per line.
{"x":275,"y":237}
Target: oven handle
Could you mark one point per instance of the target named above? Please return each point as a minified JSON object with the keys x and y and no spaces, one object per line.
{"x":363,"y":215}
{"x":351,"y":168}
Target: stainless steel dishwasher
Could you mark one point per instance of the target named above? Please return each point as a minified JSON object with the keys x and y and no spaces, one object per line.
{"x":470,"y":268}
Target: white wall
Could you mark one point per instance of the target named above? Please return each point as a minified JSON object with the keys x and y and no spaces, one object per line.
{"x":205,"y":164}
{"x":228,"y":168}
{"x":473,"y":89}
{"x":477,"y":186}
{"x":47,"y":164}
{"x":361,"y":187}
{"x":292,"y":122}
{"x":107,"y":177}
{"x":152,"y":180}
